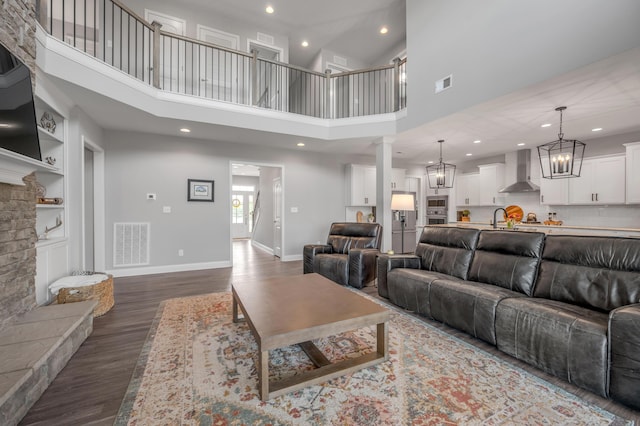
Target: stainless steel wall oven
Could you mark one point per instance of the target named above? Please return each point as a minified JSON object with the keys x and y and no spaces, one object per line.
{"x":437,"y":210}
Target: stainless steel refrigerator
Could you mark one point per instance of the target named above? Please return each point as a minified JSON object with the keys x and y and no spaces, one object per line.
{"x":409,"y":230}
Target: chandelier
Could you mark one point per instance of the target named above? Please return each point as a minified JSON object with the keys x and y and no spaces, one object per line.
{"x":441,"y":175}
{"x":561,"y":158}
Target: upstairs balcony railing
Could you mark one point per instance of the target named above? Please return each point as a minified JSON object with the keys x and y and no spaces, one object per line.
{"x":114,"y":34}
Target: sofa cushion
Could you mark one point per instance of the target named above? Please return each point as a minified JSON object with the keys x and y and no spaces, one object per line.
{"x":565,"y":340}
{"x":409,"y":288}
{"x":594,"y":272}
{"x":468,"y":306}
{"x":332,"y":266}
{"x":447,"y":250}
{"x":507,"y":259}
{"x":345,"y":236}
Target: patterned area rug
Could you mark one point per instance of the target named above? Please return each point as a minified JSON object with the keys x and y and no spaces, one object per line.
{"x":198,"y":367}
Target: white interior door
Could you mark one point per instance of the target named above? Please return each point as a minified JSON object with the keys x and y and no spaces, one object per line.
{"x":242,"y":204}
{"x":277,"y":217}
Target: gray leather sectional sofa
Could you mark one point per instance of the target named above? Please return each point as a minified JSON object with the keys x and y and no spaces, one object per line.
{"x":569,"y":305}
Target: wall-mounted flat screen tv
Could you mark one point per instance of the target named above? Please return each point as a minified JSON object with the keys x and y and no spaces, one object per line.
{"x":18,"y":128}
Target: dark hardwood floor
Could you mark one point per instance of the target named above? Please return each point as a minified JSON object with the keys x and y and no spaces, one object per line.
{"x":89,"y":390}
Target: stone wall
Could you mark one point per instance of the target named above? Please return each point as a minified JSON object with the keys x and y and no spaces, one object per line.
{"x":17,"y":203}
{"x":18,"y":30}
{"x":17,"y":249}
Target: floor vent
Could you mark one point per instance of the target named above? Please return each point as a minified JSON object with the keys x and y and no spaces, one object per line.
{"x":130,"y":244}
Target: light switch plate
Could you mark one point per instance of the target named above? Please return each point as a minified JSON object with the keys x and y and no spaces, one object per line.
{"x":166,"y":209}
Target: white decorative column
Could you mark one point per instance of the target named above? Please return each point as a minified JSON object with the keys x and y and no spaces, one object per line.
{"x":383,"y":188}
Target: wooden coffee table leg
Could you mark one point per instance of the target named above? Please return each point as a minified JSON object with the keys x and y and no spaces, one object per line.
{"x":382,"y":338}
{"x":234,"y":307}
{"x":263,"y":375}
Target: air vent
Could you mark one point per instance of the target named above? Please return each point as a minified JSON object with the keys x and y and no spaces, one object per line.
{"x":130,"y":244}
{"x":266,"y":38}
{"x":444,"y":83}
{"x":340,"y":60}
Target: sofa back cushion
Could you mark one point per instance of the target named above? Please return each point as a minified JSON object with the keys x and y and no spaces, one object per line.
{"x":594,"y":272}
{"x":447,"y":250}
{"x":508,"y":259}
{"x":344,"y":236}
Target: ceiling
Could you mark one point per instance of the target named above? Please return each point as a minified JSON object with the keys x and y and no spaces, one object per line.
{"x":605,"y":94}
{"x":350,"y":28}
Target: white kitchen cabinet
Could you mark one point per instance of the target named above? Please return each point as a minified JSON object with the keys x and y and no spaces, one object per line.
{"x":361,"y":185}
{"x":397,"y":179}
{"x":491,"y":180}
{"x":633,"y":173}
{"x":412,"y":184}
{"x":467,"y":189}
{"x":601,"y":181}
{"x":554,"y":191}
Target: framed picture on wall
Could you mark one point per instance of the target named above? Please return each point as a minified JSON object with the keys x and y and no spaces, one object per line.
{"x":199,"y":190}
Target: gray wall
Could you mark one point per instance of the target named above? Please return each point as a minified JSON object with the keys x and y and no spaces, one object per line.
{"x":140,"y":163}
{"x":495,"y":47}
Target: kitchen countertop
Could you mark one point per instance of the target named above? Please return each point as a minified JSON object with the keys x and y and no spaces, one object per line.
{"x":555,"y":229}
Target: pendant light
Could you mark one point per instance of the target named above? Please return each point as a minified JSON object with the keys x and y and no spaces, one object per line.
{"x":441,"y":175}
{"x":561,"y":158}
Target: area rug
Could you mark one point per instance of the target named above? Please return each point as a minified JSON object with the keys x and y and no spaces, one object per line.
{"x":199,"y":368}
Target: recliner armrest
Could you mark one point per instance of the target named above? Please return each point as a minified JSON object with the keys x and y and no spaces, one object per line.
{"x":362,"y":266}
{"x":624,"y":355}
{"x":387,"y":262}
{"x":309,"y":252}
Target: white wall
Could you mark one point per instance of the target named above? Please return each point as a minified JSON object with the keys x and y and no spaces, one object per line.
{"x":194,"y":15}
{"x":495,"y":47}
{"x":140,"y":163}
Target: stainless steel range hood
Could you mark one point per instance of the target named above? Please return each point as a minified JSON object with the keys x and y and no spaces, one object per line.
{"x":523,"y":174}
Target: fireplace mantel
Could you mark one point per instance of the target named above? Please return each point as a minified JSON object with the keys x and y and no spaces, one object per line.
{"x":13,"y":167}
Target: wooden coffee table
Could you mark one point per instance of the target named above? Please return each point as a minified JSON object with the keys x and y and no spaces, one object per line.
{"x":295,"y":310}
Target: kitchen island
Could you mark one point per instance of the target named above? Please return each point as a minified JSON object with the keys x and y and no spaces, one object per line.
{"x":553,"y":229}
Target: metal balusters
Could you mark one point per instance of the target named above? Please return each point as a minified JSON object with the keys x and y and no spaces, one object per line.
{"x":183,"y":65}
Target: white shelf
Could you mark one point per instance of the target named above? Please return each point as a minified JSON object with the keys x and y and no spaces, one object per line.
{"x":50,"y":206}
{"x":50,"y":241}
{"x":42,"y":133}
{"x":14,"y":166}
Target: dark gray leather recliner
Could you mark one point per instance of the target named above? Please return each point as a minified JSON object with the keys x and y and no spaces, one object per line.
{"x":349,"y":257}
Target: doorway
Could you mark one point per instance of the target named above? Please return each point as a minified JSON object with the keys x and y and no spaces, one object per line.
{"x":93,"y":207}
{"x":255,"y":210}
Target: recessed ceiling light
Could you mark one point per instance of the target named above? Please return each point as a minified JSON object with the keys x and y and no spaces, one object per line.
{"x":546,"y":125}
{"x":597,"y":129}
{"x":469,"y":154}
{"x":384,"y":30}
{"x":185,"y":130}
{"x":305,"y":43}
{"x":477,"y":141}
{"x":430,"y":162}
{"x":269,"y":9}
{"x":300,"y":144}
{"x":521,"y":144}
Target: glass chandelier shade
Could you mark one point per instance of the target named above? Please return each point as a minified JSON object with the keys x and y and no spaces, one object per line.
{"x":561,"y":158}
{"x":441,"y":175}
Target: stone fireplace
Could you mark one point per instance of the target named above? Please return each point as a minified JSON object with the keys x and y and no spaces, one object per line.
{"x":17,"y":249}
{"x":17,"y":203}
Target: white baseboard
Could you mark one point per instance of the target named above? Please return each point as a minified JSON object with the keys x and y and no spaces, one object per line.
{"x":262,"y":247}
{"x":291,"y":258}
{"x":149,"y":270}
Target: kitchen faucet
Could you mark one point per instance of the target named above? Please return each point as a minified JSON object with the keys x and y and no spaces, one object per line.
{"x":495,"y":212}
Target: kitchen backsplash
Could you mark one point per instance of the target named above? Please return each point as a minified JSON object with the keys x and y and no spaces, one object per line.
{"x":615,"y":216}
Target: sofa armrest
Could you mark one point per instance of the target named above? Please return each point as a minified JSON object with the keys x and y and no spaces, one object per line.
{"x":309,"y":252}
{"x":624,"y":355}
{"x":362,"y":266}
{"x":388,"y":262}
